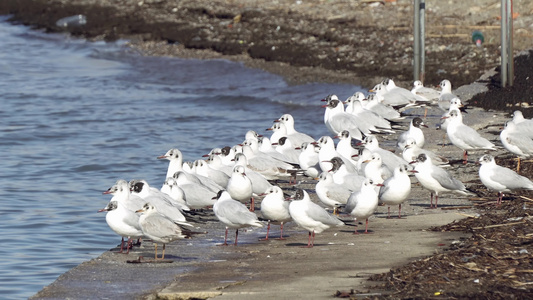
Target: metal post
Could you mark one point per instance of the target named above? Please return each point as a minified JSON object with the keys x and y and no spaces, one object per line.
{"x":503,"y":68}
{"x":507,"y":64}
{"x":416,"y":46}
{"x":510,"y":53}
{"x":422,"y":39}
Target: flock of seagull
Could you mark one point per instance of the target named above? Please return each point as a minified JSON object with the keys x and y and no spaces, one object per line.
{"x":354,"y":175}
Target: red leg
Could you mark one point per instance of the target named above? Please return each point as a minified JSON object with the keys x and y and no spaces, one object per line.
{"x":388,"y":212}
{"x":268,"y":230}
{"x":236,"y":235}
{"x":225,"y":238}
{"x":281,"y":234}
{"x":129,"y":244}
{"x":355,"y":231}
{"x":308,"y":241}
{"x":399,"y":211}
{"x":465,"y":157}
{"x":366,"y":226}
{"x":313,"y":241}
{"x":436,"y":199}
{"x":121,"y":245}
{"x":252,"y":204}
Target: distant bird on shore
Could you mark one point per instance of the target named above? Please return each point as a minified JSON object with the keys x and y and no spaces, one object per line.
{"x":275,"y":209}
{"x":363,"y":204}
{"x":310,"y":215}
{"x":465,"y":137}
{"x":233,"y":214}
{"x":396,"y":189}
{"x":446,"y":95}
{"x":160,"y":229}
{"x":436,"y":179}
{"x":414,"y":132}
{"x":501,"y":179}
{"x":123,"y":222}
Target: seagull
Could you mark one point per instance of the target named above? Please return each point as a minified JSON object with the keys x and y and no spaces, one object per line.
{"x":363,"y":203}
{"x":341,"y":175}
{"x":371,"y":102}
{"x":268,"y":166}
{"x":411,"y":151}
{"x":425,"y":92}
{"x":365,"y":116}
{"x":163,"y":202}
{"x":446,"y":95}
{"x":464,"y":137}
{"x":202,"y":168}
{"x":308,"y":160}
{"x":388,"y":158}
{"x":278,"y":130}
{"x":121,"y":193}
{"x":375,"y":169}
{"x":396,"y":189}
{"x":436,"y":179}
{"x":344,"y":146}
{"x":310,"y":215}
{"x":233,"y":214}
{"x":197,"y":195}
{"x":330,"y":193}
{"x":501,"y":179}
{"x":171,"y":188}
{"x":516,"y":142}
{"x":455,"y":104}
{"x":285,"y":147}
{"x":176,"y":164}
{"x":275,"y":209}
{"x":327,"y":151}
{"x":123,"y":222}
{"x":240,"y":186}
{"x":215,"y":162}
{"x":414,"y":132}
{"x":259,"y":183}
{"x":296,"y":137}
{"x":337,"y":120}
{"x":160,"y":229}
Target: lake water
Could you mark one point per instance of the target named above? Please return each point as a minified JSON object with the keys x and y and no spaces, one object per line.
{"x":76,"y":116}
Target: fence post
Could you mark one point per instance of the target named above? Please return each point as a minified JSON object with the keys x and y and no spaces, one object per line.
{"x":507,"y":61}
{"x":419,"y":45}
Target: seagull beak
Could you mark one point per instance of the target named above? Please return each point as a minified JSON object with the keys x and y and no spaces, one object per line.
{"x":162,"y":156}
{"x":139,"y":210}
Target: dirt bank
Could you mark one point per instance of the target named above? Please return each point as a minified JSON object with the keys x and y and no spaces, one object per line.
{"x":360,"y":42}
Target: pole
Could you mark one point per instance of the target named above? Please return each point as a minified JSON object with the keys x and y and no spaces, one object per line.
{"x":416,"y":46}
{"x":503,"y":68}
{"x":510,"y":53}
{"x":422,"y":40}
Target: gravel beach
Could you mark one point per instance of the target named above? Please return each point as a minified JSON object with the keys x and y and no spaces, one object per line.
{"x":359,"y":42}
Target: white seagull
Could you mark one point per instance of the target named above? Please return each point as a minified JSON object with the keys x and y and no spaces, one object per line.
{"x":414,"y":132}
{"x":436,"y":179}
{"x":310,"y":216}
{"x":465,"y":137}
{"x":275,"y":209}
{"x":233,"y":214}
{"x":396,"y":189}
{"x":123,"y":222}
{"x":240,"y":186}
{"x":363,"y":204}
{"x":160,"y":229}
{"x":501,"y":179}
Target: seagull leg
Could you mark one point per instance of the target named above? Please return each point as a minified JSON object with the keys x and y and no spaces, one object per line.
{"x":465,"y":157}
{"x":129,"y":244}
{"x":436,"y":199}
{"x":268,"y":230}
{"x":252,"y":204}
{"x":281,"y":234}
{"x":399,"y":211}
{"x":500,"y":198}
{"x":163,"y":256}
{"x":388,"y":212}
{"x":308,"y":241}
{"x":155,"y":245}
{"x":431,"y":205}
{"x":121,"y":245}
{"x":225,"y":238}
{"x":313,"y":241}
{"x":366,"y":226}
{"x":355,"y":231}
{"x":236,"y":235}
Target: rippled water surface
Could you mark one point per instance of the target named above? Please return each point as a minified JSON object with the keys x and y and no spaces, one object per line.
{"x":76,"y":116}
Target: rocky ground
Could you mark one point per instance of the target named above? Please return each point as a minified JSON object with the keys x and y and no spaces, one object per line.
{"x":359,"y":42}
